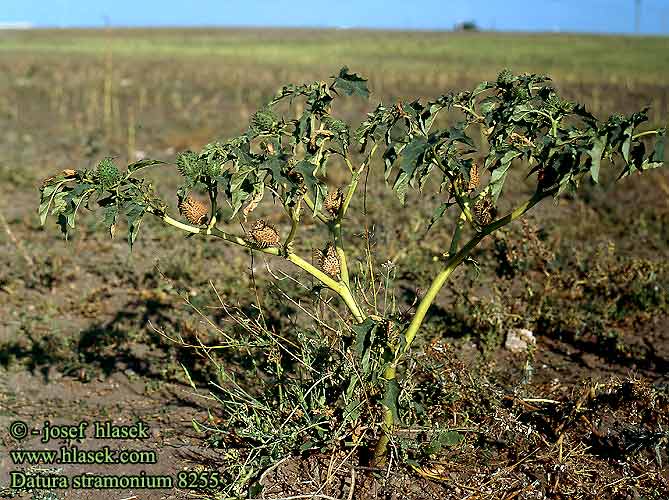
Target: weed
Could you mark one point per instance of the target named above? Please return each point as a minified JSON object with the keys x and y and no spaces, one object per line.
{"x":322,"y":388}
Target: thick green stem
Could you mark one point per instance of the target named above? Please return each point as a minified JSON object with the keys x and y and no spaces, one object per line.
{"x":643,"y":134}
{"x":294,"y":214}
{"x":381,"y":448}
{"x":336,"y":225}
{"x":311,"y":205}
{"x":337,"y":286}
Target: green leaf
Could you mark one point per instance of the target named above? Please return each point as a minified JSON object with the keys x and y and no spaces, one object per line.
{"x":362,"y":332}
{"x":109,"y":218}
{"x":391,"y":398}
{"x":307,"y":445}
{"x":242,"y":185}
{"x":364,"y":341}
{"x":442,"y":439}
{"x":625,"y":149}
{"x":352,"y":411}
{"x":351,"y":83}
{"x":499,"y":174}
{"x":134,"y":213}
{"x":138,"y":165}
{"x":412,"y":156}
{"x":438,"y":213}
{"x":48,"y":192}
{"x":660,"y":144}
{"x":450,"y":438}
{"x":487,"y":104}
{"x":595,"y":153}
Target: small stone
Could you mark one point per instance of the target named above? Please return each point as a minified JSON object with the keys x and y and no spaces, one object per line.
{"x":518,"y":339}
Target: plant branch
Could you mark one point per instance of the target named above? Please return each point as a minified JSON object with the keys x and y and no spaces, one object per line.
{"x":454,"y":261}
{"x":390,"y":373}
{"x":294,"y":214}
{"x":648,"y":132}
{"x":338,"y":287}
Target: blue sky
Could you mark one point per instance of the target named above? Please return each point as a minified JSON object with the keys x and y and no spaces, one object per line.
{"x":538,"y":15}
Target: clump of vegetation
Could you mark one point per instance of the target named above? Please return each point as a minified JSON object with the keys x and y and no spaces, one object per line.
{"x":352,"y":380}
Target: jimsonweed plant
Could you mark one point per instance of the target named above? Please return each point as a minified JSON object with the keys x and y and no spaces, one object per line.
{"x":464,"y":158}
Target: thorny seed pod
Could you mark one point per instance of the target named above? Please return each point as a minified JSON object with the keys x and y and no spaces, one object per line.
{"x":193,"y":210}
{"x":189,"y":165}
{"x":474,"y":178}
{"x":264,"y":235}
{"x":333,"y":201}
{"x":329,"y":261}
{"x":339,"y":127}
{"x":262,"y":120}
{"x":107,"y":173}
{"x":484,"y":210}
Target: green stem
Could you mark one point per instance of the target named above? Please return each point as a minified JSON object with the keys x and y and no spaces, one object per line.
{"x":339,"y":246}
{"x":337,"y":286}
{"x":457,"y":192}
{"x":311,"y":206}
{"x":335,"y":225}
{"x":294,"y":215}
{"x":457,"y":233}
{"x":381,"y":448}
{"x":642,"y":134}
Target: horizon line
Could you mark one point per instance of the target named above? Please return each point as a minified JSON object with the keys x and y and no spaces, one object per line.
{"x":27,"y":25}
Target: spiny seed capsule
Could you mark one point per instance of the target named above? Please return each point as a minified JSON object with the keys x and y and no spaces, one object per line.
{"x":505,"y":78}
{"x":193,"y":210}
{"x":107,"y":173}
{"x":329,"y":261}
{"x":484,"y":210}
{"x":264,"y":235}
{"x":262,"y":120}
{"x":474,"y":178}
{"x":333,"y":201}
{"x":189,"y":165}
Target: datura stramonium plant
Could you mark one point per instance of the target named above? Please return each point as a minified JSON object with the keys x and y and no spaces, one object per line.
{"x":518,"y":121}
